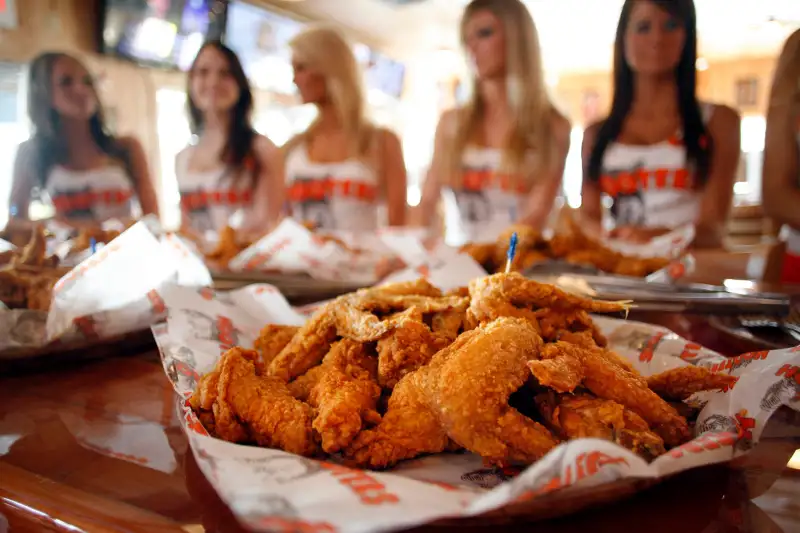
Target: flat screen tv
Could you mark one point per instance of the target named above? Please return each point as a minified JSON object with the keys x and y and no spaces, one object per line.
{"x":261,"y":40}
{"x":163,"y":33}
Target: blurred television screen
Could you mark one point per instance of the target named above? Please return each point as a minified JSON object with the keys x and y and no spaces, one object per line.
{"x":165,"y":33}
{"x":261,"y":40}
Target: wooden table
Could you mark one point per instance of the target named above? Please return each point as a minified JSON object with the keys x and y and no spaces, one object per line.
{"x":99,"y":447}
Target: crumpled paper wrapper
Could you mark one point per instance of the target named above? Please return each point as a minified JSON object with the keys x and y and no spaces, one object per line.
{"x":112,"y":292}
{"x":271,"y":490}
{"x":292,"y":248}
{"x":671,"y":244}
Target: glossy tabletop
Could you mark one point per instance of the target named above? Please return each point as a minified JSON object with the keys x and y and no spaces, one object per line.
{"x":98,"y":446}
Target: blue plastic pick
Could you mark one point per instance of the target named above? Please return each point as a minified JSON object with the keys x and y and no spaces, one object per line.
{"x":512,"y":251}
{"x":93,"y":245}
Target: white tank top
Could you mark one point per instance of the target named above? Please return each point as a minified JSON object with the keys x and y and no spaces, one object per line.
{"x":342,"y":196}
{"x":97,"y":194}
{"x":486,"y":204}
{"x":211,"y":199}
{"x":650,"y":186}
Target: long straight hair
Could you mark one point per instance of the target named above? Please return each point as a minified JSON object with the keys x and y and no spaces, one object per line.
{"x":237,"y":152}
{"x":695,"y":138}
{"x":327,"y":52}
{"x":49,"y":144}
{"x":786,"y":81}
{"x":527,"y":96}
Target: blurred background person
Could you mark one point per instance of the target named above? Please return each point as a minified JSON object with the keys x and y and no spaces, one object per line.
{"x":71,"y":160}
{"x":230,"y":175}
{"x":500,"y":158}
{"x":343,"y":171}
{"x":781,"y":178}
{"x":663,"y":158}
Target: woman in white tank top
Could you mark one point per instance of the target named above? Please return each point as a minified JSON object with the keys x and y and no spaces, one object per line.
{"x":342,"y":173}
{"x":230,"y":169}
{"x":781,"y":179}
{"x":498,"y":160}
{"x":661,"y":158}
{"x":71,"y":161}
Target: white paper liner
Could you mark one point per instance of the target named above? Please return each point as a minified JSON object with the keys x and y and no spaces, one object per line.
{"x":270,"y":489}
{"x":292,"y":248}
{"x":112,"y":292}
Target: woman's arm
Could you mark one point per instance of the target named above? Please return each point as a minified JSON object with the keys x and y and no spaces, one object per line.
{"x":543,"y":194}
{"x":715,"y":206}
{"x":269,"y":193}
{"x":393,"y":168}
{"x":22,"y":180}
{"x":142,"y":178}
{"x":591,"y":211}
{"x":431,"y":189}
{"x":781,"y":175}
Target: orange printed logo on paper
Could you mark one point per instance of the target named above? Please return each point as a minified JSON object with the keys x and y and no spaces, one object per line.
{"x":86,"y":325}
{"x":159,"y":307}
{"x":646,"y":355}
{"x":585,"y":465}
{"x":368,"y":489}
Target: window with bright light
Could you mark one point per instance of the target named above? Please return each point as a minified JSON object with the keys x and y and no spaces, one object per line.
{"x":13,"y":128}
{"x":173,"y":136}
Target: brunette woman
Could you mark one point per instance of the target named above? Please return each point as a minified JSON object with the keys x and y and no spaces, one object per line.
{"x":662,"y":158}
{"x":230,"y":175}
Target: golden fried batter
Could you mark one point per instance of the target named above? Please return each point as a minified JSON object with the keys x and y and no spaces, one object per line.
{"x":680,"y":383}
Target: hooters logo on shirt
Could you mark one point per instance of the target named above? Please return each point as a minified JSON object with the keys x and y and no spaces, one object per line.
{"x":306,"y":190}
{"x":478,"y":179}
{"x":85,"y":199}
{"x":641,"y":179}
{"x":195,"y":200}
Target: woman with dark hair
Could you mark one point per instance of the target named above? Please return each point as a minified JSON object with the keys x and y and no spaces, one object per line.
{"x":781,"y":178}
{"x":88,"y":174}
{"x":663,"y":158}
{"x":229,"y":169}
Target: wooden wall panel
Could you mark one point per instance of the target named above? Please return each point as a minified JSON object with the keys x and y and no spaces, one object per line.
{"x":717,"y":84}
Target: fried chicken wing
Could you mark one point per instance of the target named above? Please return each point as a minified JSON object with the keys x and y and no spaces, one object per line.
{"x":610,"y":380}
{"x":582,"y":416}
{"x":559,"y":368}
{"x":263,"y":404}
{"x":410,"y":345}
{"x":271,"y":340}
{"x":308,"y":346}
{"x":345,"y":396}
{"x":435,"y":403}
{"x":475,"y":411}
{"x":680,"y":383}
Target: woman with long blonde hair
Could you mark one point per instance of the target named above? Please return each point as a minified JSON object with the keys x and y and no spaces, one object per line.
{"x":499,"y":159}
{"x":343,"y":168}
{"x":781,"y":175}
{"x":71,"y":159}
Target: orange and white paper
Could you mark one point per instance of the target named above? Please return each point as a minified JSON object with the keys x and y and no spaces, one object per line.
{"x":271,"y":490}
{"x":114,"y":291}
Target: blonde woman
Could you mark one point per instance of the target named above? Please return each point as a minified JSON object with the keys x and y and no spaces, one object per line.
{"x":342,"y":170}
{"x":781,"y":176}
{"x":499,"y":159}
